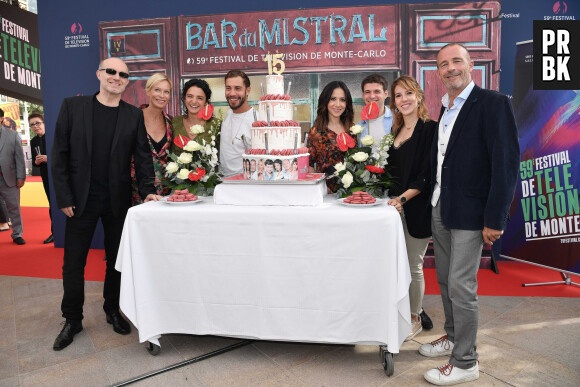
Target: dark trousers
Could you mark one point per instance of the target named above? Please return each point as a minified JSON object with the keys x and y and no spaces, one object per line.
{"x":47,"y":191}
{"x":79,"y":232}
{"x":3,"y":211}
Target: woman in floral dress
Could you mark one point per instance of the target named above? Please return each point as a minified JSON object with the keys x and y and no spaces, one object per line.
{"x":335,"y":115}
{"x":159,"y":131}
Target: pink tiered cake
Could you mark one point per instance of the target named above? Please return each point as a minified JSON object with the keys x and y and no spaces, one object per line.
{"x":276,"y":152}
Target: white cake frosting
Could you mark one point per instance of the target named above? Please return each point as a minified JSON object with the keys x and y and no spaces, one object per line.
{"x":280,"y":110}
{"x":278,"y":137}
{"x":275,"y":84}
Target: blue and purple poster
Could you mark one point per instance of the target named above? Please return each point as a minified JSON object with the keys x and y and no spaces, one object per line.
{"x":545,"y":215}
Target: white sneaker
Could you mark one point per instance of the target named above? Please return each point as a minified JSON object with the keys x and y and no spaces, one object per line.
{"x":440,"y":347}
{"x":447,"y":375}
{"x":416,"y":327}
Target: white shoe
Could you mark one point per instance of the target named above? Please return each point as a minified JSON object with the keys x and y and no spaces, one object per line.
{"x":447,"y":375}
{"x":416,"y":327}
{"x":440,"y":347}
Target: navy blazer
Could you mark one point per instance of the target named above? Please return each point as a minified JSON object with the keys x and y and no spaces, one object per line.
{"x":480,"y":167}
{"x":72,"y":149}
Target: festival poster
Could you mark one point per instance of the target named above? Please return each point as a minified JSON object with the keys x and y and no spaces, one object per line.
{"x":19,"y":54}
{"x":545,"y":215}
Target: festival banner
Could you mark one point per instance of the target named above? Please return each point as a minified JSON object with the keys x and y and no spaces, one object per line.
{"x":19,"y":54}
{"x":545,"y":216}
{"x":320,"y":39}
{"x":389,"y":39}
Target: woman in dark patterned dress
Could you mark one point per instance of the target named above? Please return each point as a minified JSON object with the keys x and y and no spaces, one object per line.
{"x":159,"y":131}
{"x":335,"y":115}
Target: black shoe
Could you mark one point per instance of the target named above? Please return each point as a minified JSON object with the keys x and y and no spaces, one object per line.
{"x":19,"y":241}
{"x":65,"y":337}
{"x":426,"y":322}
{"x":48,"y":240}
{"x":120,"y":325}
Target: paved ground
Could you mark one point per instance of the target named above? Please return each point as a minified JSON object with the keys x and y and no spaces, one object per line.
{"x":522,"y":341}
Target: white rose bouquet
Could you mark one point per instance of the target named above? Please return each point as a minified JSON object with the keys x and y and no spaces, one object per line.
{"x":364,"y":169}
{"x":195,"y":168}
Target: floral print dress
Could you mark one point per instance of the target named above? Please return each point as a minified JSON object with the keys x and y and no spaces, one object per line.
{"x":160,"y":159}
{"x":324,"y":153}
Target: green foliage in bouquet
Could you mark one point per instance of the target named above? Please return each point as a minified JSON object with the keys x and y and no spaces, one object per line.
{"x":196,"y":166}
{"x":365,"y":170}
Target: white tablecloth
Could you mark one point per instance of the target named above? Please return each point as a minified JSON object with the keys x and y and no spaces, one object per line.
{"x":330,"y":274}
{"x":270,"y":194}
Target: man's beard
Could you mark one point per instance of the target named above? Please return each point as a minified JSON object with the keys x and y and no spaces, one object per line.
{"x":242,"y":101}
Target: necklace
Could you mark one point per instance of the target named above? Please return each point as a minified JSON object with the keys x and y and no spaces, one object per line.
{"x":412,"y":126}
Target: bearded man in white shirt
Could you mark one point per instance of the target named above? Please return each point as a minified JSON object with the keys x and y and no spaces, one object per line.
{"x":238,"y":123}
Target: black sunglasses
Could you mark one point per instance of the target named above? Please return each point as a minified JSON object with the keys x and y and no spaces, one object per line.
{"x":113,"y":72}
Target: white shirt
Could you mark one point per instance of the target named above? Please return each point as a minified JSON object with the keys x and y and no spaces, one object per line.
{"x":385,"y":121}
{"x":445,"y":127}
{"x":231,"y":145}
{"x":377,"y":130}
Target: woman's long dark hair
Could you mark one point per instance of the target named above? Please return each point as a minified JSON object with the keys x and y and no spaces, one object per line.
{"x":347,"y":117}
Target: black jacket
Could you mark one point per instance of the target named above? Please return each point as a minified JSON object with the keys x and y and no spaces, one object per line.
{"x":72,"y":148}
{"x":39,"y":142}
{"x":417,"y":176}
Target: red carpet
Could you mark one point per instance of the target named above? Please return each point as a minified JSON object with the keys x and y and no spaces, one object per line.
{"x":35,"y":259}
{"x":510,"y":279}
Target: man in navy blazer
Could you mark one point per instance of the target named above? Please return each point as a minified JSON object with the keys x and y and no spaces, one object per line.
{"x":95,"y":138}
{"x":474,"y":166}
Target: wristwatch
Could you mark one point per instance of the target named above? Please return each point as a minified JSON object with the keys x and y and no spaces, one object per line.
{"x":402,"y":199}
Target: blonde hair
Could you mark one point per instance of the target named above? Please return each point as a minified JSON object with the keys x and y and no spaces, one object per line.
{"x":408,"y":83}
{"x":155,"y":79}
